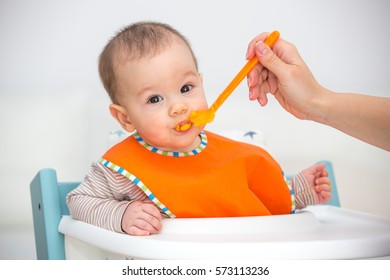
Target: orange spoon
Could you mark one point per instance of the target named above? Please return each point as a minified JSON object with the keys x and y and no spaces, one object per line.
{"x":199,"y":118}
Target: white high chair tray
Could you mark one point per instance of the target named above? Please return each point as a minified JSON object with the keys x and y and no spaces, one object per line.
{"x":319,"y":232}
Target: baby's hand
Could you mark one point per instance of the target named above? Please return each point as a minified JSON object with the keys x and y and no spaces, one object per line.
{"x":141,"y":218}
{"x":319,"y":183}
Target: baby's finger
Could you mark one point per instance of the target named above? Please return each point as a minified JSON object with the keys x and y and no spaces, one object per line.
{"x":145,"y":225}
{"x":323,"y":188}
{"x":323,"y":181}
{"x":151,"y":209}
{"x":326,"y":196}
{"x":152,"y":216}
{"x":324,"y":173}
{"x":134,"y":230}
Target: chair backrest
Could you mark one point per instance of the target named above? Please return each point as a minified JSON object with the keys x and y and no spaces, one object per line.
{"x":48,"y":198}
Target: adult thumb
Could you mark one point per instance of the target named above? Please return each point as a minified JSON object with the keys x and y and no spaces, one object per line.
{"x":269,"y":59}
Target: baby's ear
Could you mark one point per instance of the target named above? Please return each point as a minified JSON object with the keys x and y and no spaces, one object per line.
{"x":120,"y":114}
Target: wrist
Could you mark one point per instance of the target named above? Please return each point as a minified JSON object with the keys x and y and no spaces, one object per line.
{"x":303,"y":194}
{"x":319,"y":105}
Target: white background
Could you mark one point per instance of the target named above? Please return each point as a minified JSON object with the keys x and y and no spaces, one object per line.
{"x":54,"y":111}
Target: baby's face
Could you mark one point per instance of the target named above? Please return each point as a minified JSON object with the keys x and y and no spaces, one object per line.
{"x":159,"y":94}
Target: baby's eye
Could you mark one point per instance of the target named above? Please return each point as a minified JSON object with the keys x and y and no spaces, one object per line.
{"x":186,"y":88}
{"x":154,"y":99}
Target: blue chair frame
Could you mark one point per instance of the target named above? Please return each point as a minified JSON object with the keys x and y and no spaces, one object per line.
{"x":48,"y":198}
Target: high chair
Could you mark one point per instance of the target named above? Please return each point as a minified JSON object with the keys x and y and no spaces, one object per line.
{"x":318,"y":232}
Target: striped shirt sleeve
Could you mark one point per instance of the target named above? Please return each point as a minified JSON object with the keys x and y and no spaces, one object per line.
{"x":102,"y":198}
{"x":303,"y":194}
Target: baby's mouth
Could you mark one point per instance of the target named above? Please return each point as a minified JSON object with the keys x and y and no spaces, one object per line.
{"x":183,"y":126}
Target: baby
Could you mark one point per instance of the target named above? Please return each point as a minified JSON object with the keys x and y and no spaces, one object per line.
{"x":161,"y":171}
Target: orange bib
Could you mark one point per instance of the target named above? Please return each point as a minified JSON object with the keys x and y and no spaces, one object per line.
{"x":221,"y":178}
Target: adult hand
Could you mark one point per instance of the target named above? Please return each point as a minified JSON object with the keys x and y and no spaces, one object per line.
{"x":282,"y":73}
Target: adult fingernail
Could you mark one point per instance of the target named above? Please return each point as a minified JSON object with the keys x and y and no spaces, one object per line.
{"x":261,"y":48}
{"x":261,"y":101}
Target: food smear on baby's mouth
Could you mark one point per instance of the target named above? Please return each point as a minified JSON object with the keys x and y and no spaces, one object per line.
{"x":183,"y":127}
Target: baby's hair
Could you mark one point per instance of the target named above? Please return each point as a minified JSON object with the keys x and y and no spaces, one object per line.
{"x":136,"y":41}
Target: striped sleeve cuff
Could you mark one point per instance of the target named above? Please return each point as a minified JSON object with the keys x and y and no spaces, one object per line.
{"x":303,"y":194}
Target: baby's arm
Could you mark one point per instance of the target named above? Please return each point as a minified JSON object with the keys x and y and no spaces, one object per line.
{"x":101,"y":199}
{"x":311,"y":186}
{"x":93,"y":202}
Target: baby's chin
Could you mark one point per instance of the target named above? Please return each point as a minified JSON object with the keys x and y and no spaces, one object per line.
{"x":183,"y":146}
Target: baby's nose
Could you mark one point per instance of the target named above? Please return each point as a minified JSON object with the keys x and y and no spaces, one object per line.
{"x":178,"y":109}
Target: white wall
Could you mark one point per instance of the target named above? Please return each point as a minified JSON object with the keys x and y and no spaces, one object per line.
{"x":53,"y":109}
